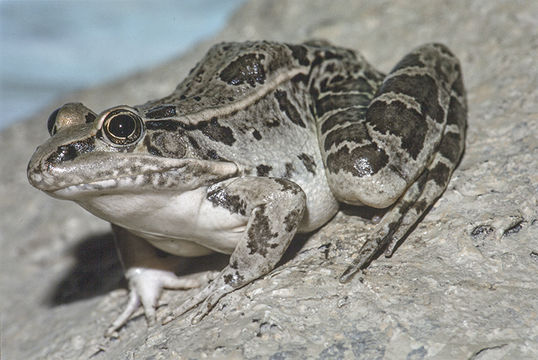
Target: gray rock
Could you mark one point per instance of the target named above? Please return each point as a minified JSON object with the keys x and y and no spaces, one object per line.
{"x":463,"y":284}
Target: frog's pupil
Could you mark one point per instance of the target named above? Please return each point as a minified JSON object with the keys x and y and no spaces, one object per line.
{"x":121,"y":126}
{"x":51,"y":121}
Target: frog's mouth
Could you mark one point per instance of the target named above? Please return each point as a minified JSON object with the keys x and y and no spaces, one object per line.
{"x":149,"y":181}
{"x":98,"y":174}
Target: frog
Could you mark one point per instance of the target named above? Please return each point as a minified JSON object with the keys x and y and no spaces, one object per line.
{"x":262,"y":140}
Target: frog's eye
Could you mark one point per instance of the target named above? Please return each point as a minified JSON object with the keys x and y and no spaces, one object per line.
{"x":51,"y":122}
{"x":122,"y":127}
{"x":69,"y":115}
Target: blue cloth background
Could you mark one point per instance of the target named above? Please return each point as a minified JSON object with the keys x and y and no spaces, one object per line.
{"x":49,"y":47}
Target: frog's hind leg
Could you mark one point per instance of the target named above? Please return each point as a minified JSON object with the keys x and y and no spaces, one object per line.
{"x":422,"y":194}
{"x":400,"y":149}
{"x":438,"y":173}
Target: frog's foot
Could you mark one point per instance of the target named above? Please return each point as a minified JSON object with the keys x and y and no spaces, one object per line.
{"x":145,"y":287}
{"x":383,"y":236}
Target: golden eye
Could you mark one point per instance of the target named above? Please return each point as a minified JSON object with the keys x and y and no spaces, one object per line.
{"x":123,"y":127}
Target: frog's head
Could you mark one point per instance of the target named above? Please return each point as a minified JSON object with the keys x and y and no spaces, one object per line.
{"x":113,"y":152}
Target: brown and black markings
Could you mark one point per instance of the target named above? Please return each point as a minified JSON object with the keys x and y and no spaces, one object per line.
{"x":308,"y":162}
{"x":273,"y":221}
{"x":71,"y":151}
{"x":263,"y":170}
{"x":270,"y":108}
{"x":248,"y":68}
{"x":259,"y":235}
{"x":179,"y":136}
{"x":434,"y":107}
{"x":161,"y":112}
{"x":287,"y":107}
{"x":234,"y":203}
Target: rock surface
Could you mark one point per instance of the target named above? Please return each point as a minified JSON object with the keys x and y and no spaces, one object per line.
{"x":462,"y":286}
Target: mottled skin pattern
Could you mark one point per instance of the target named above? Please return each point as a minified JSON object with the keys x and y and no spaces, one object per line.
{"x":261,"y":140}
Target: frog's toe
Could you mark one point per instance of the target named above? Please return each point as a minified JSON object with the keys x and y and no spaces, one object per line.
{"x":132,"y":305}
{"x":145,"y":287}
{"x":206,"y":299}
{"x":204,"y":308}
{"x":187,"y":305}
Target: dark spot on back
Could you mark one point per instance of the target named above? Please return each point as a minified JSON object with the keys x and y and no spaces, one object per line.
{"x":263,"y":170}
{"x":300,"y":78}
{"x":299,"y":52}
{"x":421,"y":206}
{"x":328,"y":55}
{"x":308,"y":163}
{"x":217,"y":132}
{"x":245,"y":69}
{"x":288,"y":108}
{"x":458,"y":86}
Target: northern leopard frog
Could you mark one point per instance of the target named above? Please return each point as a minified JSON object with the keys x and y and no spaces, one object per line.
{"x":260,"y":141}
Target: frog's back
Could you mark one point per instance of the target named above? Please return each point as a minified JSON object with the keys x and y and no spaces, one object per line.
{"x":255,"y":104}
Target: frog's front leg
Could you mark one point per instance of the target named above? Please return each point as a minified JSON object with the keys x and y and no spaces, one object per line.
{"x":148,"y":271}
{"x":275,"y":208}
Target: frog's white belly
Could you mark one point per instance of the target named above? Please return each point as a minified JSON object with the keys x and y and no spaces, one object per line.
{"x":185,"y":224}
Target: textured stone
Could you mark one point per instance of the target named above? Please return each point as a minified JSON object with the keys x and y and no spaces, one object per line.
{"x":463,"y":284}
